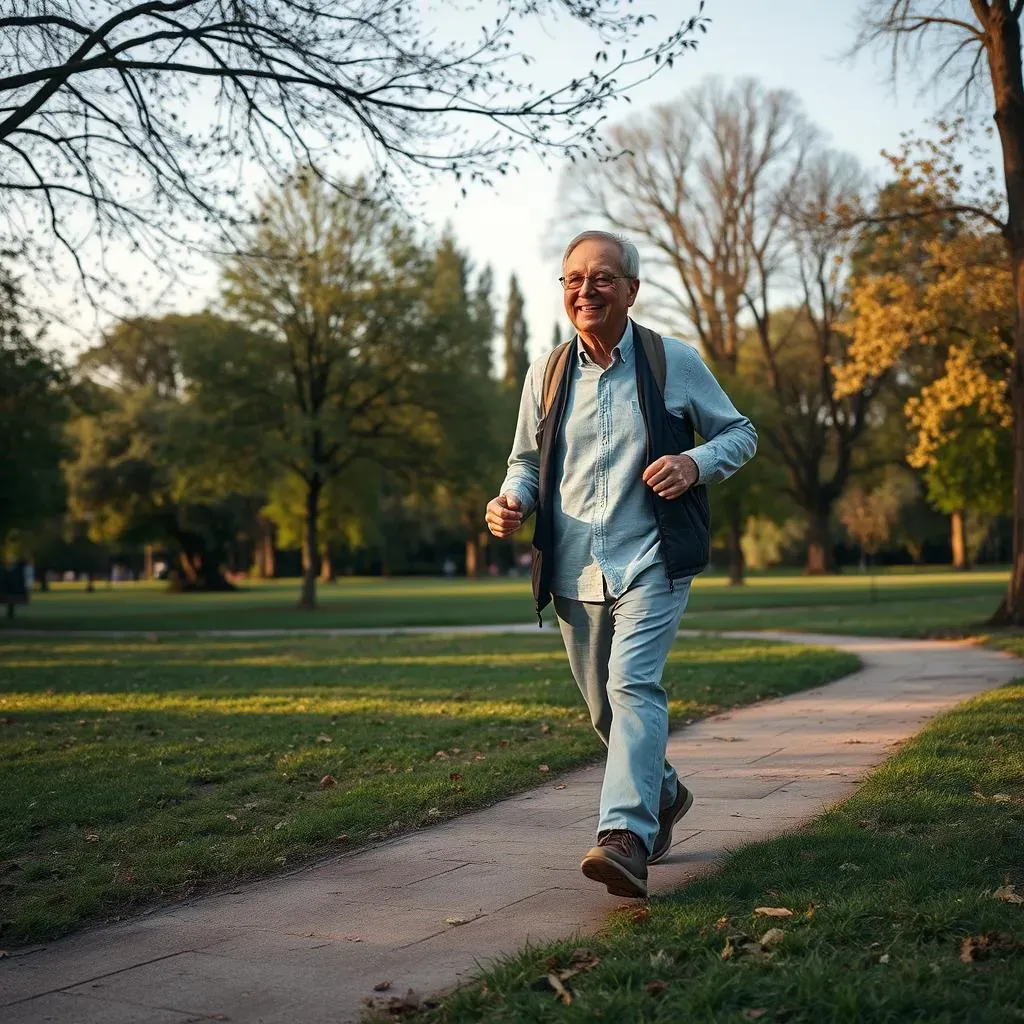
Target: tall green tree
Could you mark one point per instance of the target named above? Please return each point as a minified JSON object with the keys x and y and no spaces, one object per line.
{"x":33,"y":409}
{"x":345,"y":363}
{"x":144,"y":469}
{"x":516,"y":334}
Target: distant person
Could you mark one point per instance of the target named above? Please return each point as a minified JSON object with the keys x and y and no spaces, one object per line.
{"x":605,"y":454}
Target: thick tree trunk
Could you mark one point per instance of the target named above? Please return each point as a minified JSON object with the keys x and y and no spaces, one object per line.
{"x":327,"y":574}
{"x":1003,"y":46}
{"x":310,"y":545}
{"x":737,"y":563}
{"x":147,"y":562}
{"x":266,"y":553}
{"x":472,"y":556}
{"x":958,"y":539}
{"x":820,"y":557}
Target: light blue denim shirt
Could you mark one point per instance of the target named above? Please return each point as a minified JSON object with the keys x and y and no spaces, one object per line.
{"x":605,"y":532}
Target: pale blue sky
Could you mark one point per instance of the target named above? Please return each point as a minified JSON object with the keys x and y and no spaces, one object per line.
{"x":792,"y":44}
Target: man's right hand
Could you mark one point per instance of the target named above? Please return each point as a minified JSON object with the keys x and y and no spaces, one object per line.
{"x":504,"y":515}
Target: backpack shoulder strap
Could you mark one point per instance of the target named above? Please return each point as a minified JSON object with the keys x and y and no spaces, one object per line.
{"x":553,"y":372}
{"x":654,"y":349}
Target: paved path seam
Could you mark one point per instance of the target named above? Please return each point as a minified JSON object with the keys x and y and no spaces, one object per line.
{"x":423,"y":911}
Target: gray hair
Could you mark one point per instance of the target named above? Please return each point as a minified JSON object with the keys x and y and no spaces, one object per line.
{"x":630,"y":256}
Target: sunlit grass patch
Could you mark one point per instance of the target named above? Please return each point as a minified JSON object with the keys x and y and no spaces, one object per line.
{"x":133,"y":772}
{"x":903,"y":905}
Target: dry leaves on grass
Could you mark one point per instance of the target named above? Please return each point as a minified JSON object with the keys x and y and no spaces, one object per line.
{"x":327,"y":781}
{"x":980,"y":947}
{"x":1008,"y":894}
{"x":773,"y":912}
{"x":581,"y":961}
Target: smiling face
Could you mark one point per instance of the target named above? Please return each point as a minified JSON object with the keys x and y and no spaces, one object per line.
{"x":599,"y":312}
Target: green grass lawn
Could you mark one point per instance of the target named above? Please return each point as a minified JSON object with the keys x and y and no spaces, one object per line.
{"x":134,"y":772}
{"x":895,"y":913}
{"x":901,"y":602}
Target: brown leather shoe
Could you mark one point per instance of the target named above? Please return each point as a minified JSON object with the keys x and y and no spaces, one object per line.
{"x":619,"y":861}
{"x":667,"y":819}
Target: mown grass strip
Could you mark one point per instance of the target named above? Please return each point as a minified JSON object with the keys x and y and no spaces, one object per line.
{"x":904,"y":900}
{"x":923,"y":600}
{"x":138,"y":772}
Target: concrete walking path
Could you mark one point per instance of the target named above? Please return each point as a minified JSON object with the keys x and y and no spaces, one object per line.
{"x":422,"y":911}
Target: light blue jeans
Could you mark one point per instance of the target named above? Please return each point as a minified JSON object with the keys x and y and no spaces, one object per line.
{"x":617,"y":651}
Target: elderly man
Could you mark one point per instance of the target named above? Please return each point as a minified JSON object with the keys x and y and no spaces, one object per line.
{"x":605,"y":453}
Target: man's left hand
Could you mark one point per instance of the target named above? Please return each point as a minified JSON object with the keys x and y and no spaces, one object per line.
{"x":671,"y":475}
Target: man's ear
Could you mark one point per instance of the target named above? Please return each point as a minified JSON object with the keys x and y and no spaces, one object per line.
{"x":634,"y":287}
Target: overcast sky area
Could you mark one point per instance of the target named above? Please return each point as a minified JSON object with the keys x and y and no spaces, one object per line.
{"x":790,"y":44}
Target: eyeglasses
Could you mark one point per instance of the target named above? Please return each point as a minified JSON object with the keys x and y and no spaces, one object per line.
{"x":573,"y":282}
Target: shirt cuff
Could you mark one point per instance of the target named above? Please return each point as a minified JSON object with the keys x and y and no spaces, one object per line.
{"x":705,"y":462}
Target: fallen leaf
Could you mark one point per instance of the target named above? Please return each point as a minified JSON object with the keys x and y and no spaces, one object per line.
{"x":442,"y":755}
{"x":352,"y":938}
{"x":543,"y":769}
{"x":91,"y":837}
{"x":741,"y":945}
{"x":456,"y":921}
{"x":231,"y":817}
{"x":980,"y":947}
{"x":884,"y":958}
{"x":721,"y":924}
{"x":639,"y":914}
{"x":772,"y":938}
{"x":772,"y":912}
{"x":434,"y":812}
{"x":584,"y":959}
{"x":503,"y":743}
{"x":382,"y":986}
{"x":343,"y":838}
{"x":728,"y":739}
{"x":561,"y":785}
{"x":754,"y":1014}
{"x":809,"y":912}
{"x":563,"y":994}
{"x":327,"y":781}
{"x":324,"y":738}
{"x":849,"y":866}
{"x":400,"y":1006}
{"x":655,"y":988}
{"x":1002,"y":798}
{"x":545,"y":728}
{"x":1008,"y":894}
{"x":455,"y":776}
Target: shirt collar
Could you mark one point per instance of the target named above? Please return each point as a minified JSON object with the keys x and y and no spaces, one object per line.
{"x":624,"y":347}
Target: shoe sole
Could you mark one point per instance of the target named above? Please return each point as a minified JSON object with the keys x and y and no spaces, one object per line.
{"x":619,"y":880}
{"x":654,"y":858}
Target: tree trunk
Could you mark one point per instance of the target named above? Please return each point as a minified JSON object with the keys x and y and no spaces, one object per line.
{"x":327,"y":574}
{"x":1004,"y":60}
{"x":472,"y":556}
{"x":737,"y":563}
{"x":958,"y":539}
{"x":266,"y":553}
{"x":310,"y":545}
{"x":820,"y":558}
{"x":147,"y":562}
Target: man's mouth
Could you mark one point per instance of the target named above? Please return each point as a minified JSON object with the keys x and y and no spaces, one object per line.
{"x":589,"y":307}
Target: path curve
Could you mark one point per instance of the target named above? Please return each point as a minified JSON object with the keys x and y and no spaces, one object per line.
{"x":422,"y":911}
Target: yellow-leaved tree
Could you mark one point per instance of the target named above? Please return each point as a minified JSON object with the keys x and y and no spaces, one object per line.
{"x":937,"y":307}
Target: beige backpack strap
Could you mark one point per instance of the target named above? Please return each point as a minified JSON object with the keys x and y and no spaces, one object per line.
{"x":553,"y":372}
{"x":654,"y":349}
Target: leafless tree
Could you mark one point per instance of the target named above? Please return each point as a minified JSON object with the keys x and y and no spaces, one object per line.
{"x":141,"y":122}
{"x":727,"y":190}
{"x":817,"y":436}
{"x":972,"y":49}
